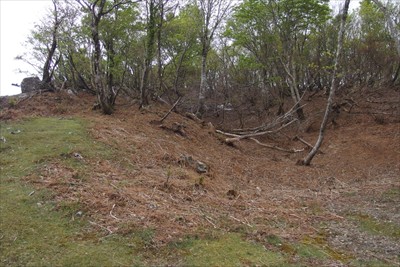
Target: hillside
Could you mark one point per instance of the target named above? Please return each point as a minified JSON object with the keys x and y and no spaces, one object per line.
{"x":128,"y":175}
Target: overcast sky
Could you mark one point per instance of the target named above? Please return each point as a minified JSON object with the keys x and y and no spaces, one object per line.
{"x":17,"y":19}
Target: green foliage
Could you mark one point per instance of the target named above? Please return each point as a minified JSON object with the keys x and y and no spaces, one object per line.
{"x":181,"y":47}
{"x":372,"y":22}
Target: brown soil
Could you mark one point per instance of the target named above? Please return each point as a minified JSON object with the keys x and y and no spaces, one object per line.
{"x":248,"y":187}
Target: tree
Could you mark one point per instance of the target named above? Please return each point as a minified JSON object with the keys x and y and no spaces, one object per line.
{"x":295,"y":21}
{"x":44,"y":41}
{"x":307,"y":160}
{"x":180,"y":48}
{"x":97,"y":9}
{"x":393,"y":28}
{"x":48,"y":68}
{"x":212,"y":13}
{"x":275,"y":35}
{"x":152,"y":11}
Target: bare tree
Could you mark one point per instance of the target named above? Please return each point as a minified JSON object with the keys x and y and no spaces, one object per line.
{"x":212,"y":13}
{"x":307,"y":160}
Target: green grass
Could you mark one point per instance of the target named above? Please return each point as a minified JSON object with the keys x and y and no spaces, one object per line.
{"x":376,"y":227}
{"x":32,"y":233}
{"x":228,"y":250}
{"x":39,"y":140}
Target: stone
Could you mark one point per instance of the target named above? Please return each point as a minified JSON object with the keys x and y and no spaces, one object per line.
{"x":30,"y":84}
{"x":186,"y":160}
{"x":201,"y":167}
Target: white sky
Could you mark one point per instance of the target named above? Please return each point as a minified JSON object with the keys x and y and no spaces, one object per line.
{"x":16,"y":21}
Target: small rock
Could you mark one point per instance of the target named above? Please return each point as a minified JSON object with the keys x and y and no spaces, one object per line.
{"x":201,"y":167}
{"x":258,"y":191}
{"x":179,"y":128}
{"x":79,"y":213}
{"x":3,"y":139}
{"x":78,"y":156}
{"x":186,"y":160}
{"x":232,"y":194}
{"x":15,"y":132}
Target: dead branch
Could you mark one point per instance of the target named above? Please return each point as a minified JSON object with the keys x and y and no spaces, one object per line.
{"x":296,"y":138}
{"x":239,"y":137}
{"x":245,"y":223}
{"x":235,"y":138}
{"x":193,"y":117}
{"x":277,"y":147}
{"x":111,"y":214}
{"x":271,"y":125}
{"x":172,"y":108}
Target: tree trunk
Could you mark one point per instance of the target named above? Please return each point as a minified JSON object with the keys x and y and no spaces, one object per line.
{"x":151,"y":30}
{"x":74,"y":70}
{"x":294,"y":91}
{"x":159,"y":45}
{"x":102,"y":94}
{"x":47,"y":73}
{"x":314,"y":151}
{"x":203,"y":82}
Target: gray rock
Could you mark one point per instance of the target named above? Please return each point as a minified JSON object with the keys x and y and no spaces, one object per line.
{"x":30,"y":84}
{"x":201,"y":167}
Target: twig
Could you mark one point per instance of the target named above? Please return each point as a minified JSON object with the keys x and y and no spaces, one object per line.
{"x":384,"y":259}
{"x":118,"y":219}
{"x":113,"y":185}
{"x":296,"y":138}
{"x":101,"y":226}
{"x":209,"y":220}
{"x":245,"y":223}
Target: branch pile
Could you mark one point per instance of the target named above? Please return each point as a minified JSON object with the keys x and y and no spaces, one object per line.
{"x":275,"y":126}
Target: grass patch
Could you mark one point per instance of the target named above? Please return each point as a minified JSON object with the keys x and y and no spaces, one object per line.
{"x":34,"y":142}
{"x":32,"y":233}
{"x":391,"y":195}
{"x":372,"y":263}
{"x":376,"y":227}
{"x":229,"y":250}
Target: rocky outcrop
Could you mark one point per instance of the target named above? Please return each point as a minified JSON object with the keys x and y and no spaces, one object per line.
{"x":30,"y":84}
